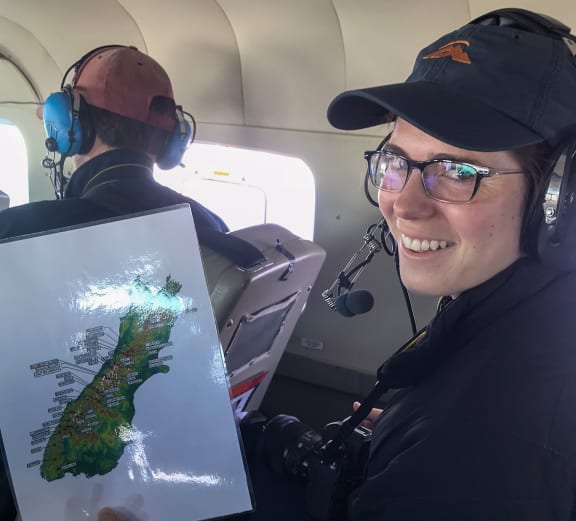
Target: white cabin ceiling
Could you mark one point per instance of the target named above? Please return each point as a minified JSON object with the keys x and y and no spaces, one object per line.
{"x":260,"y":63}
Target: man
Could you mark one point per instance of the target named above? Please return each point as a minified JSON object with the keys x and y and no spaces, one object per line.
{"x":122,"y":116}
{"x":116,"y":119}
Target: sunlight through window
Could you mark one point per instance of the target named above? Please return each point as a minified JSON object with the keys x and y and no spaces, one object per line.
{"x":14,"y":171}
{"x":247,"y":187}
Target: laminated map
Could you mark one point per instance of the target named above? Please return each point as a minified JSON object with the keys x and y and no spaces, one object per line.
{"x":114,"y":384}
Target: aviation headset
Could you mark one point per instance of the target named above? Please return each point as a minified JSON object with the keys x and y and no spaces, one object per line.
{"x":549,"y":226}
{"x":69,"y":128}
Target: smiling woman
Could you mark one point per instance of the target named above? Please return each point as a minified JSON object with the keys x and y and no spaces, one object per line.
{"x":484,"y":427}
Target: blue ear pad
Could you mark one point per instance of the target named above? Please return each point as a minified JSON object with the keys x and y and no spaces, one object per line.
{"x":66,"y":123}
{"x":177,"y":144}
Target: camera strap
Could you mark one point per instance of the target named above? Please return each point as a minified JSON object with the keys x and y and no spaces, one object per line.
{"x":384,"y":383}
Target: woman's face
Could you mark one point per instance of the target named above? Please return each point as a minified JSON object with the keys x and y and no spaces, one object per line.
{"x":481,"y":237}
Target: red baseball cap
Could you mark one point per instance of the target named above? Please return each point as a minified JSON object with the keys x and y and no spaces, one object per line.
{"x":124,"y":81}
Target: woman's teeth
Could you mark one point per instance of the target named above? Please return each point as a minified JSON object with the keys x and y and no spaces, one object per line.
{"x":423,"y":244}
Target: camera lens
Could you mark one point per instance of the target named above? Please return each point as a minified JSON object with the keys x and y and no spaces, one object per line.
{"x":287,"y":443}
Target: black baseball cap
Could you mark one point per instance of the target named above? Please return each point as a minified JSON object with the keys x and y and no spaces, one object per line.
{"x":484,"y":87}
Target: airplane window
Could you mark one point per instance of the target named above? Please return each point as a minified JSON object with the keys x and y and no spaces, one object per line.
{"x":14,"y":171}
{"x":247,"y":187}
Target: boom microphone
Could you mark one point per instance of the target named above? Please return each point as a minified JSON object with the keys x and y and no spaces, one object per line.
{"x":354,"y":303}
{"x":340,"y":296}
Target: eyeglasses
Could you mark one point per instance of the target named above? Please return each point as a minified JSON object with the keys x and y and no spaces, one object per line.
{"x":443,"y":180}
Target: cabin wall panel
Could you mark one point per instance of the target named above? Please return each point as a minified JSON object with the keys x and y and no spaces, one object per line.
{"x":196,"y":44}
{"x":382,"y":38}
{"x":33,"y":60}
{"x":256,"y":63}
{"x":70,"y":28}
{"x":292,"y":60}
{"x":564,"y":10}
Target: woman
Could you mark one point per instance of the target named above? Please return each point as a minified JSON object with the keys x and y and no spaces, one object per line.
{"x":483,"y":426}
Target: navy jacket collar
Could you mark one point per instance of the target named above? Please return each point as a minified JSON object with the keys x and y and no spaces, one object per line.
{"x":106,"y":167}
{"x":460,"y":320}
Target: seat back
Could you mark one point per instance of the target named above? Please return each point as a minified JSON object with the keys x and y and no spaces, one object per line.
{"x":256,"y":308}
{"x":4,"y":200}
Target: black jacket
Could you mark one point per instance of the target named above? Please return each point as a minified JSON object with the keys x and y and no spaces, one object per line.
{"x":116,"y":183}
{"x":483,"y":427}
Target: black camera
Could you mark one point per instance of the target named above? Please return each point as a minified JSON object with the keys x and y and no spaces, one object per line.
{"x":329,"y":464}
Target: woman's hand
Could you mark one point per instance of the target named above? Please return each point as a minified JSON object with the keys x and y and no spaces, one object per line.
{"x":119,"y":514}
{"x":107,"y":514}
{"x":368,"y":422}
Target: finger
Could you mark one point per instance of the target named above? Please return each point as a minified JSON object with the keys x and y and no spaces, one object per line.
{"x":374,"y":413}
{"x":368,"y":424}
{"x":107,"y":514}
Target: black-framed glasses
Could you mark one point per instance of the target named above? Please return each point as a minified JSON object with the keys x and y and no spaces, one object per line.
{"x":444,"y":180}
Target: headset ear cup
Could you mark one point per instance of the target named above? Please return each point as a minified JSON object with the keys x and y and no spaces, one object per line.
{"x":557,"y":231}
{"x":66,"y":123}
{"x":532,"y":221}
{"x":177,"y":143}
{"x":57,"y":118}
{"x":88,"y":131}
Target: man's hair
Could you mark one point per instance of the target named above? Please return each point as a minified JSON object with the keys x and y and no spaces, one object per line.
{"x":121,"y":132}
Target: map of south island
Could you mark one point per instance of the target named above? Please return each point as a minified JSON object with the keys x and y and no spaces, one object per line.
{"x":93,"y":429}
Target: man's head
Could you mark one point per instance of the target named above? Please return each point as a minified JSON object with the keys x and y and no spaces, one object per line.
{"x":127,"y":82}
{"x":503,"y":82}
{"x":123,"y":98}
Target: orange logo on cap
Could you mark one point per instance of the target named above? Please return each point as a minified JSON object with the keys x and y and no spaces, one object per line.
{"x":454,"y":50}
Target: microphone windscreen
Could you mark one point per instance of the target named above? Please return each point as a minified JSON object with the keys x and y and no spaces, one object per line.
{"x":354,"y":303}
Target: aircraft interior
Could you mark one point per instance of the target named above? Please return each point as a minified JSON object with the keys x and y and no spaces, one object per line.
{"x":257,"y":76}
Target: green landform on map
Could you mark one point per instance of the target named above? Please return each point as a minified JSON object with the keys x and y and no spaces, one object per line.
{"x":94,"y":428}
